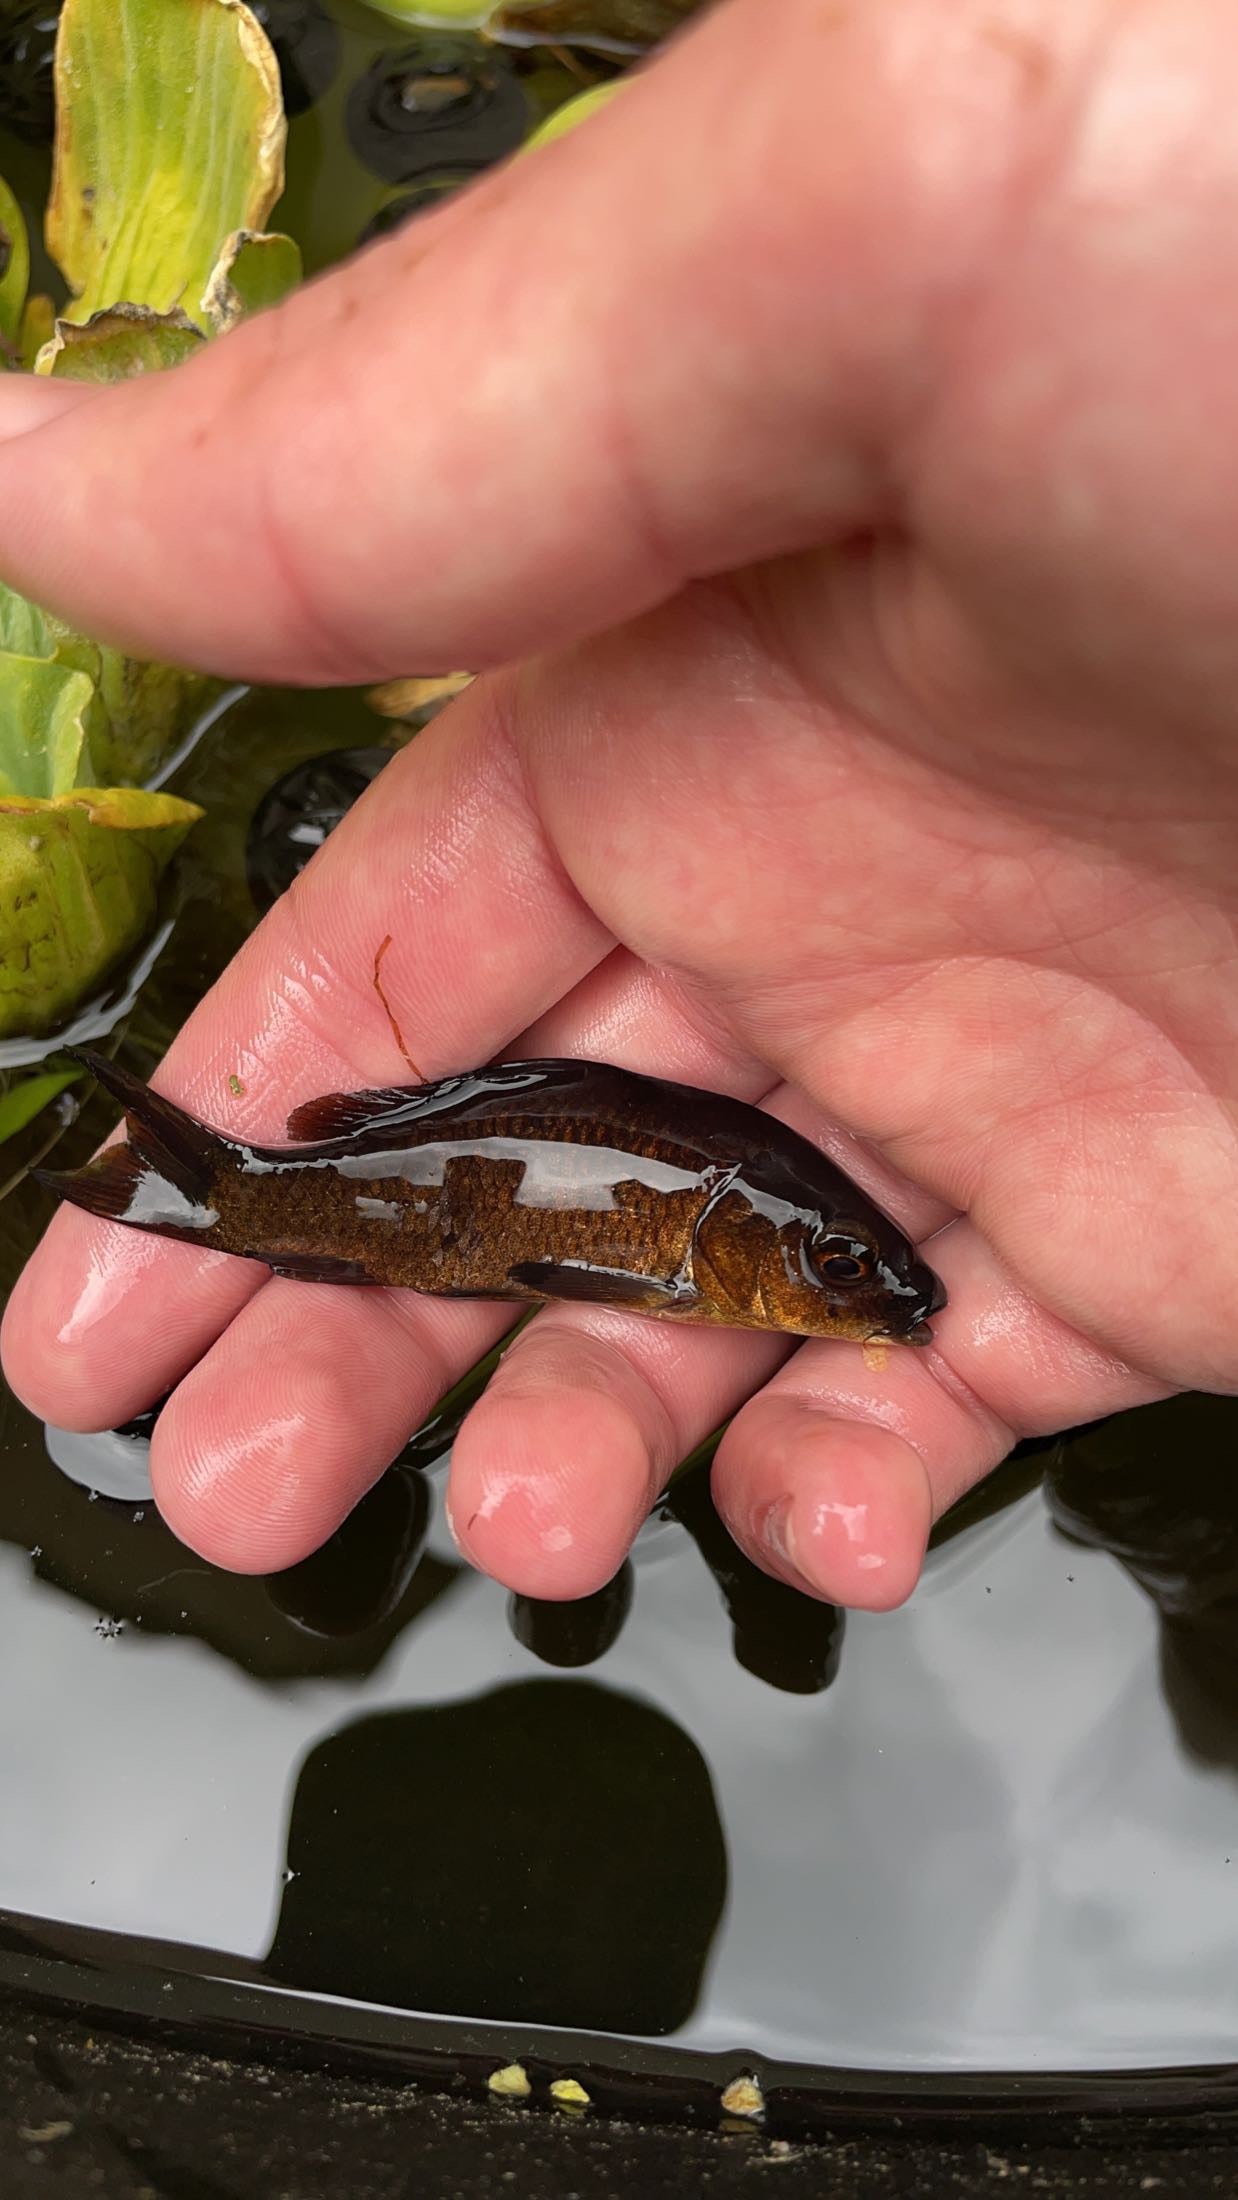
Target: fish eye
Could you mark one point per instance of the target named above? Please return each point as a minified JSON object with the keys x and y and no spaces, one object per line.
{"x":843,"y":1259}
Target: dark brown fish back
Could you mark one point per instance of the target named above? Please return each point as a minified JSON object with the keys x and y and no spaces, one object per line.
{"x":586,"y":1103}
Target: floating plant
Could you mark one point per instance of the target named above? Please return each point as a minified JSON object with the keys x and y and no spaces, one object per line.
{"x":164,"y":174}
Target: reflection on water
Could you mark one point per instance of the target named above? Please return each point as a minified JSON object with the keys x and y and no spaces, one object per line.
{"x":785,"y":1639}
{"x":1160,"y":1491}
{"x":548,"y":1852}
{"x":970,"y":1834}
{"x":996,"y":1830}
{"x":576,"y":1634}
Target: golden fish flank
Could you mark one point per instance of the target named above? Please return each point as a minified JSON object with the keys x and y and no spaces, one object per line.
{"x":533,"y":1181}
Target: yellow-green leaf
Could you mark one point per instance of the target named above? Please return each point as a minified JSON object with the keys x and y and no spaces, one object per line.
{"x":118,"y":343}
{"x":28,"y":1098}
{"x":169,"y":138}
{"x":433,"y":11}
{"x":78,"y":881}
{"x":24,"y":632}
{"x":47,"y":713}
{"x":144,"y":711}
{"x":572,"y":111}
{"x":38,"y":326}
{"x":252,"y":272}
{"x":14,"y":270}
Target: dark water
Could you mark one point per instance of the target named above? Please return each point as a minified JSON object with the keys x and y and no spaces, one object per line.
{"x":997,"y":1831}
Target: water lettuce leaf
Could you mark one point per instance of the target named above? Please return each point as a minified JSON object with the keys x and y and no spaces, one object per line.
{"x":143,"y":711}
{"x":38,"y":325}
{"x":75,"y":714}
{"x":47,"y":712}
{"x":433,"y":11}
{"x":25,"y":631}
{"x":253,"y":271}
{"x":169,"y":140}
{"x":573,"y":111}
{"x":14,"y":275}
{"x":79,"y":877}
{"x":119,"y":342}
{"x":169,"y":156}
{"x":27,"y":1098}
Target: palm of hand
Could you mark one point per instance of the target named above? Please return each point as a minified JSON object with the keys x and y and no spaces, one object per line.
{"x":933,"y":827}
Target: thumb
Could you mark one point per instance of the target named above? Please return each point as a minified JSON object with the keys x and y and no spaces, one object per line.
{"x":675,"y":340}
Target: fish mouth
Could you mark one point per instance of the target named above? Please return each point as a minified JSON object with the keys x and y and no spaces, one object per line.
{"x":920,"y":1333}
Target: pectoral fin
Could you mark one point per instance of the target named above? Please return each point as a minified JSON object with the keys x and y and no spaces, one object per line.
{"x":597,"y":1286}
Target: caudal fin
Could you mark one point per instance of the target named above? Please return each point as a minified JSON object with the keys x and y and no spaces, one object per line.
{"x":180,"y":1148}
{"x":107,"y":1187}
{"x":162,"y":1179}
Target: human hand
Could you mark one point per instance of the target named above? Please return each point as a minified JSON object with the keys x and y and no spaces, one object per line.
{"x":838,"y":432}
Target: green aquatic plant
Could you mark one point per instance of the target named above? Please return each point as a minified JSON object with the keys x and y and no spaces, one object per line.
{"x":573,"y":112}
{"x":168,"y":160}
{"x":628,"y":23}
{"x":631,"y":25}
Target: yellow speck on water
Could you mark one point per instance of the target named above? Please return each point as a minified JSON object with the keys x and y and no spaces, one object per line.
{"x":569,"y":2093}
{"x":743,"y":2097}
{"x":876,"y":1357}
{"x":235,"y":1087}
{"x":511,"y":2083}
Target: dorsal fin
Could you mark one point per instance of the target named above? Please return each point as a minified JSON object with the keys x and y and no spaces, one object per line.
{"x":339,"y":1114}
{"x":346,"y":1114}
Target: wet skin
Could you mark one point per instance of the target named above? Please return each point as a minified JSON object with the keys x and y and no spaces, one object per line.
{"x":900,"y":795}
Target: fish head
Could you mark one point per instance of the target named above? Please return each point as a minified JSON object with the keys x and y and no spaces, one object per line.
{"x":849,"y":1276}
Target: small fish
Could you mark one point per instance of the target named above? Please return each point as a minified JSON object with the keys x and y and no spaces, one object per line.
{"x":533,"y":1181}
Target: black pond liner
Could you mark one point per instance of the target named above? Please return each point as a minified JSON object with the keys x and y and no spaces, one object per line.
{"x":307,"y":47}
{"x":438,"y":102}
{"x":135,"y":2107}
{"x":27,"y":54}
{"x":139,"y":1988}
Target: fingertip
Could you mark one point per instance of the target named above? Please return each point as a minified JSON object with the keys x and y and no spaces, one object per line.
{"x":53,"y":1321}
{"x":838,"y":1509}
{"x":252,"y":1463}
{"x":548,"y":1489}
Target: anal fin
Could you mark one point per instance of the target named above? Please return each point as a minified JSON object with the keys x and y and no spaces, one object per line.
{"x":313,"y":1267}
{"x":597,"y":1286}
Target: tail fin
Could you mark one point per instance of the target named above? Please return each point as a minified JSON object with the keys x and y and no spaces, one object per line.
{"x":108,"y":1186}
{"x":163,"y":1179}
{"x":181,"y":1148}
